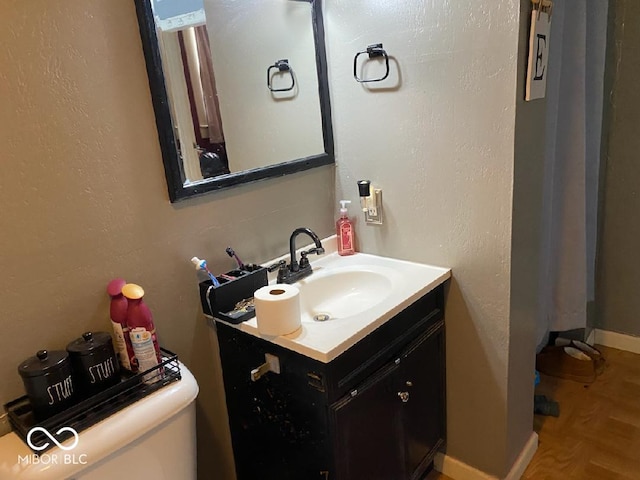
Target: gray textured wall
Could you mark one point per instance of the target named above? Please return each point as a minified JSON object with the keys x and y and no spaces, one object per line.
{"x":526,"y":254}
{"x":617,"y":299}
{"x":443,"y":154}
{"x":84,"y":199}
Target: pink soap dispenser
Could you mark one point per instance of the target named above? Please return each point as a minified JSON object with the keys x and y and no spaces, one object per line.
{"x":345,"y":231}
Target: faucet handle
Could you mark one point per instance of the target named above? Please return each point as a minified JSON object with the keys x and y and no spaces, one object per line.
{"x":316,"y":250}
{"x":304,"y":261}
{"x":276,"y":266}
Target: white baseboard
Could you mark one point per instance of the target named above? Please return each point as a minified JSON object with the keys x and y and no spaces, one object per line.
{"x":523,"y":460}
{"x":617,"y":340}
{"x":454,"y":468}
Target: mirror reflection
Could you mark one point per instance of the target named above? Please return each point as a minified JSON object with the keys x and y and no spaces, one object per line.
{"x":242,"y":88}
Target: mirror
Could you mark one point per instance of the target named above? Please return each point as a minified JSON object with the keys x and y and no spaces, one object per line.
{"x":239,"y":89}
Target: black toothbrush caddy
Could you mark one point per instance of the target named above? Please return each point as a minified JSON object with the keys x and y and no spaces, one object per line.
{"x":230,"y":301}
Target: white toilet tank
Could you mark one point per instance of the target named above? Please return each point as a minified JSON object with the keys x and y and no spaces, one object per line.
{"x":152,"y":438}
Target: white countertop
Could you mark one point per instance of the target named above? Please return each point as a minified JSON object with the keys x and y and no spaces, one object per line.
{"x":324,"y":341}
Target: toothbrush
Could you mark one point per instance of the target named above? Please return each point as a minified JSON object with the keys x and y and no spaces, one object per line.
{"x":202,"y":265}
{"x":232,"y":254}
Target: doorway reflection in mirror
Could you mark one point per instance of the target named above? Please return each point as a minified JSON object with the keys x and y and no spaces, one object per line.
{"x":191,"y":87}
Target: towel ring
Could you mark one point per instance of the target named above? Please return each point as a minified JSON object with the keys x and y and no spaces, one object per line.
{"x":281,"y":66}
{"x":373,"y":51}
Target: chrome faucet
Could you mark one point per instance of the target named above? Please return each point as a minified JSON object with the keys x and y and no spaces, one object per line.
{"x":295,"y":271}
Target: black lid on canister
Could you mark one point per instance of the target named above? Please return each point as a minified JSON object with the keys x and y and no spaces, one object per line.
{"x":89,"y":343}
{"x":42,"y":363}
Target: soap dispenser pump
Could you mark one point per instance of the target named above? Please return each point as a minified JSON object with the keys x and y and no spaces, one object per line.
{"x":345,"y":231}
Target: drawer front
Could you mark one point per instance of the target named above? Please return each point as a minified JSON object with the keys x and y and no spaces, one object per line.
{"x":377,"y":348}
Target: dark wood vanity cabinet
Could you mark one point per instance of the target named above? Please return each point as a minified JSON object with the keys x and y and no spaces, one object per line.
{"x":376,"y":412}
{"x":396,"y":415}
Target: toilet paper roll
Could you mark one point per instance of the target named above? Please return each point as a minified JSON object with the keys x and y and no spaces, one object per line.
{"x":277,"y":309}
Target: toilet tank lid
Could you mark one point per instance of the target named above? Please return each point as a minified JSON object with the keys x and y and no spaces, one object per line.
{"x":102,"y":439}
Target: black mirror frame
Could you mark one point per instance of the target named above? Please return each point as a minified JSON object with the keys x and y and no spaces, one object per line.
{"x":178,"y":188}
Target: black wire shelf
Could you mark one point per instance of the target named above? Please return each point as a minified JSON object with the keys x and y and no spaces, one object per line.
{"x":86,"y":413}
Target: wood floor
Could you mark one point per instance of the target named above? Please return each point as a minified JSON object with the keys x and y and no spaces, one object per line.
{"x":597,"y":436}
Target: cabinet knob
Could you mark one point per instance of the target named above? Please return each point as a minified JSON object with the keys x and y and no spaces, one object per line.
{"x":409,"y":383}
{"x":404,"y":396}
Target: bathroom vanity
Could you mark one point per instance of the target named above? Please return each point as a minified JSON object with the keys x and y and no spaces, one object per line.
{"x":356,"y":397}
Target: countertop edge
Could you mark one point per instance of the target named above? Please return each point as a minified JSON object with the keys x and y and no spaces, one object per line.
{"x":333,"y":353}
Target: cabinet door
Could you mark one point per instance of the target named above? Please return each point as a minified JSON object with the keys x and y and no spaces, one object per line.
{"x":421,"y":381}
{"x":368,"y":428}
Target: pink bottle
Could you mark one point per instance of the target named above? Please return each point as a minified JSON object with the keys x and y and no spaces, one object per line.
{"x":345,"y":231}
{"x":142,"y":331}
{"x":118,"y":313}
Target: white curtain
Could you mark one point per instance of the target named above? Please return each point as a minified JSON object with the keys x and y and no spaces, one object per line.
{"x":572,"y":157}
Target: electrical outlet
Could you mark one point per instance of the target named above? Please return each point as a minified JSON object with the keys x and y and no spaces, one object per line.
{"x":373,"y":215}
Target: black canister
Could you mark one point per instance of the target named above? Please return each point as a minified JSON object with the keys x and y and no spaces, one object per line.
{"x":94,"y":362}
{"x":47,"y":378}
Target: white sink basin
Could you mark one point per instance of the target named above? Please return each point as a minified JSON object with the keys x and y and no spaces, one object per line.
{"x":346,"y":298}
{"x":342,"y":292}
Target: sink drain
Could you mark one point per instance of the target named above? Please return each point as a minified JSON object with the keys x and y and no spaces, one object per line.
{"x":321,"y":317}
